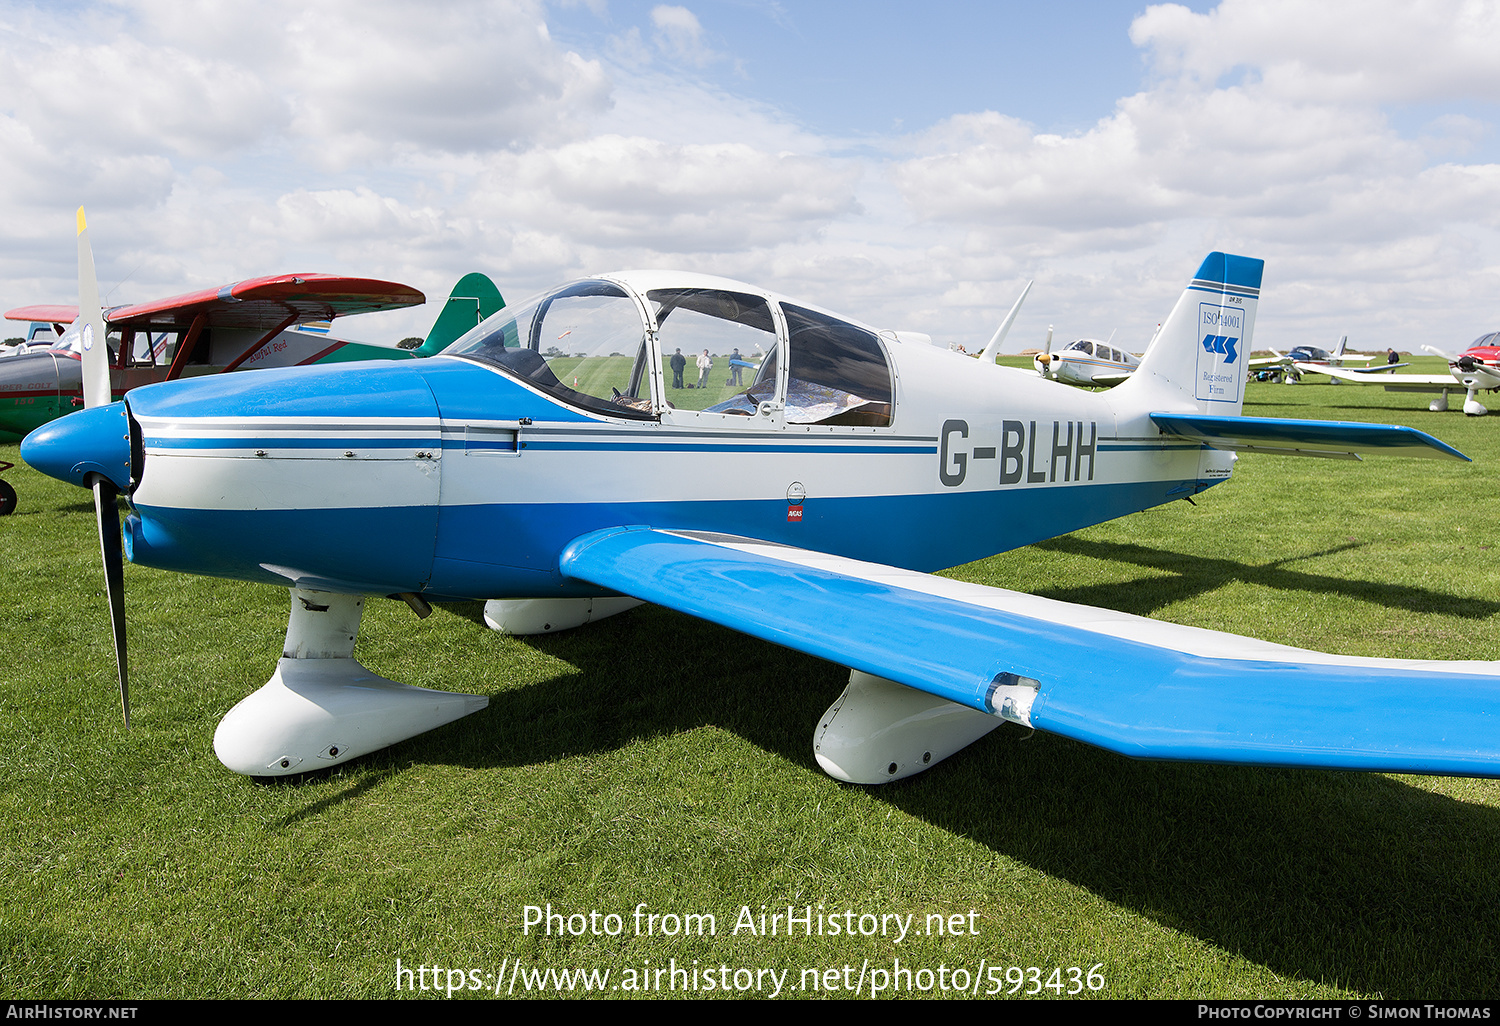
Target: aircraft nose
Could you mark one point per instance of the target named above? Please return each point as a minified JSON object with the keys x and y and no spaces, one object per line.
{"x":92,"y":441}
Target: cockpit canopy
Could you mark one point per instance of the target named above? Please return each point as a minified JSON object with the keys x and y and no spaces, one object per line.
{"x":621,"y":347}
{"x":1101,"y":351}
{"x":1492,"y":339}
{"x":1310,"y":354}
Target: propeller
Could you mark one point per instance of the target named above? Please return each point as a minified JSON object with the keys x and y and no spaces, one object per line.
{"x":108,"y":514}
{"x":96,"y":392}
{"x":1046,"y":358}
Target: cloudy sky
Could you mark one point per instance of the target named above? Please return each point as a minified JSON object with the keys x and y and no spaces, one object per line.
{"x":911,"y":164}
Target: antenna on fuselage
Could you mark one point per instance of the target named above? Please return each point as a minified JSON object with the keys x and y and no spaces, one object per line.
{"x":993,"y":349}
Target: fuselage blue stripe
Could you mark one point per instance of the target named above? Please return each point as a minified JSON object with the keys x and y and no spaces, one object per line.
{"x":289,"y":442}
{"x":669,"y":446}
{"x":531,"y":442}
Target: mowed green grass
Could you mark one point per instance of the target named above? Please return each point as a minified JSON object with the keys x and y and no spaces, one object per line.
{"x":655,"y":760}
{"x":598,"y":375}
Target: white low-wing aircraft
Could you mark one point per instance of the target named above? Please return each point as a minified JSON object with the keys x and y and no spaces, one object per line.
{"x":806,"y":508}
{"x":1086,"y":362}
{"x":1475,"y":370}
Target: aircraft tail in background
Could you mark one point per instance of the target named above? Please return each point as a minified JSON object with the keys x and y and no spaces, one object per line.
{"x":473,"y":299}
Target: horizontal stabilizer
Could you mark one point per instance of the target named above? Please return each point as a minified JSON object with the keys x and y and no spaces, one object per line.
{"x":1136,"y":686}
{"x":1335,"y":438}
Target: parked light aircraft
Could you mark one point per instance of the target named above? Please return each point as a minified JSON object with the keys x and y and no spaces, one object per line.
{"x":249,"y":325}
{"x":244,"y":324}
{"x":805,"y":509}
{"x":1301,"y":360}
{"x":1475,"y":370}
{"x":1086,"y":362}
{"x":39,"y":336}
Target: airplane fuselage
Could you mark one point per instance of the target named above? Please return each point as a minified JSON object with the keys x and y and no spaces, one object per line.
{"x":449,"y":477}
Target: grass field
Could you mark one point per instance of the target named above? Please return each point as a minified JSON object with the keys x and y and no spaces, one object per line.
{"x":653,"y":760}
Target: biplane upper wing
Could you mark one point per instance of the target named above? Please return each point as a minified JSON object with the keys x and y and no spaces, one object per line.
{"x":255,"y":303}
{"x":46,"y":313}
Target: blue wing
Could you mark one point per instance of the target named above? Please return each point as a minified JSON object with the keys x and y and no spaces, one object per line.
{"x":1137,"y":686}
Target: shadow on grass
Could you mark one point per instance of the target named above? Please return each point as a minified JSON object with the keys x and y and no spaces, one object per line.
{"x":72,"y":507}
{"x":1357,"y":880}
{"x":1197,"y":574}
{"x":1393,"y":405}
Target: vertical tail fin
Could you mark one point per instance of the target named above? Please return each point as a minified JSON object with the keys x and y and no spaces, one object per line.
{"x":1197,"y":360}
{"x":473,"y":299}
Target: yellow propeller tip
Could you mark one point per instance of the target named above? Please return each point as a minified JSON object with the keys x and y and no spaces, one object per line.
{"x":83,"y":224}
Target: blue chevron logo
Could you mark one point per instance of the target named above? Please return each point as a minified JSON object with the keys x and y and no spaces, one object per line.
{"x":1220,"y":344}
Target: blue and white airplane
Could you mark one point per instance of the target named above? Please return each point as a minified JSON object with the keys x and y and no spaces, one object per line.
{"x":806,"y":508}
{"x":1304,"y":360}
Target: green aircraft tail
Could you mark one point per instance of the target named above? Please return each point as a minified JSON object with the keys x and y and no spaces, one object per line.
{"x":473,"y":299}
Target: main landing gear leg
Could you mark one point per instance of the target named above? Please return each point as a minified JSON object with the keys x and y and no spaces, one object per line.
{"x":1473,"y":407}
{"x":321,"y":707}
{"x":879,"y":731}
